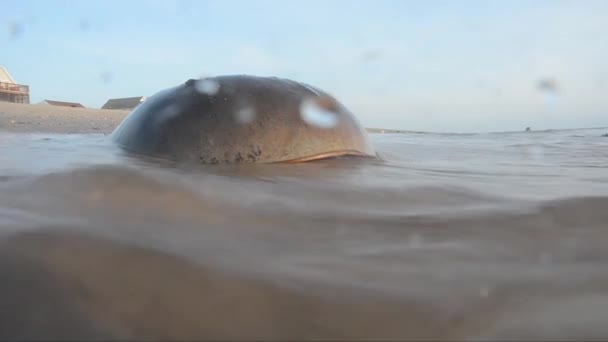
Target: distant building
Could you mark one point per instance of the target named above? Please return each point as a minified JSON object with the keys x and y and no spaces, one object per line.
{"x":62,"y":104}
{"x":10,"y":91}
{"x":124,"y":103}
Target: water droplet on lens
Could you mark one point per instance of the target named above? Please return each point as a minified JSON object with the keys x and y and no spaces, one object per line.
{"x":15,"y":30}
{"x":170,"y":111}
{"x":547,"y":84}
{"x":167,"y":113}
{"x":206,"y":86}
{"x":314,"y":114}
{"x":370,"y":55}
{"x":245,"y":115}
{"x":84,"y":25}
{"x":106,"y":77}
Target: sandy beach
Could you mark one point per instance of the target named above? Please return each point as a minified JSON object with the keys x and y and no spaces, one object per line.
{"x":28,"y":118}
{"x":32,"y":118}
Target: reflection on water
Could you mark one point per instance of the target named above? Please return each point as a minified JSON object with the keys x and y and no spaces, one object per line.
{"x":487,"y":236}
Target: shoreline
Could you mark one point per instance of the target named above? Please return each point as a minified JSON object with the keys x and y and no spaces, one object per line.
{"x":39,"y":118}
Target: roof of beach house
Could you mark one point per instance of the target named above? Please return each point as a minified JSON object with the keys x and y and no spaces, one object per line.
{"x":5,"y":76}
{"x":124,"y":103}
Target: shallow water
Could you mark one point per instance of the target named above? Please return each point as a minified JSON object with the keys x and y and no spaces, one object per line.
{"x":448,"y":236}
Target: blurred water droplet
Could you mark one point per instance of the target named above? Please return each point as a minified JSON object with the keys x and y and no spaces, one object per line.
{"x":313,"y":113}
{"x":15,"y":30}
{"x":207,"y":86}
{"x":245,"y":115}
{"x":370,"y":55}
{"x":84,"y":25}
{"x":167,"y":113}
{"x":171,"y":110}
{"x":548,"y":85}
{"x":106,"y":77}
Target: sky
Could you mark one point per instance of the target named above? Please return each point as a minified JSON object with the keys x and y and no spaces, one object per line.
{"x":443,"y":66}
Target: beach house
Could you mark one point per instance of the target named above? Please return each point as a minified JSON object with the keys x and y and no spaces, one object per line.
{"x":10,"y":91}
